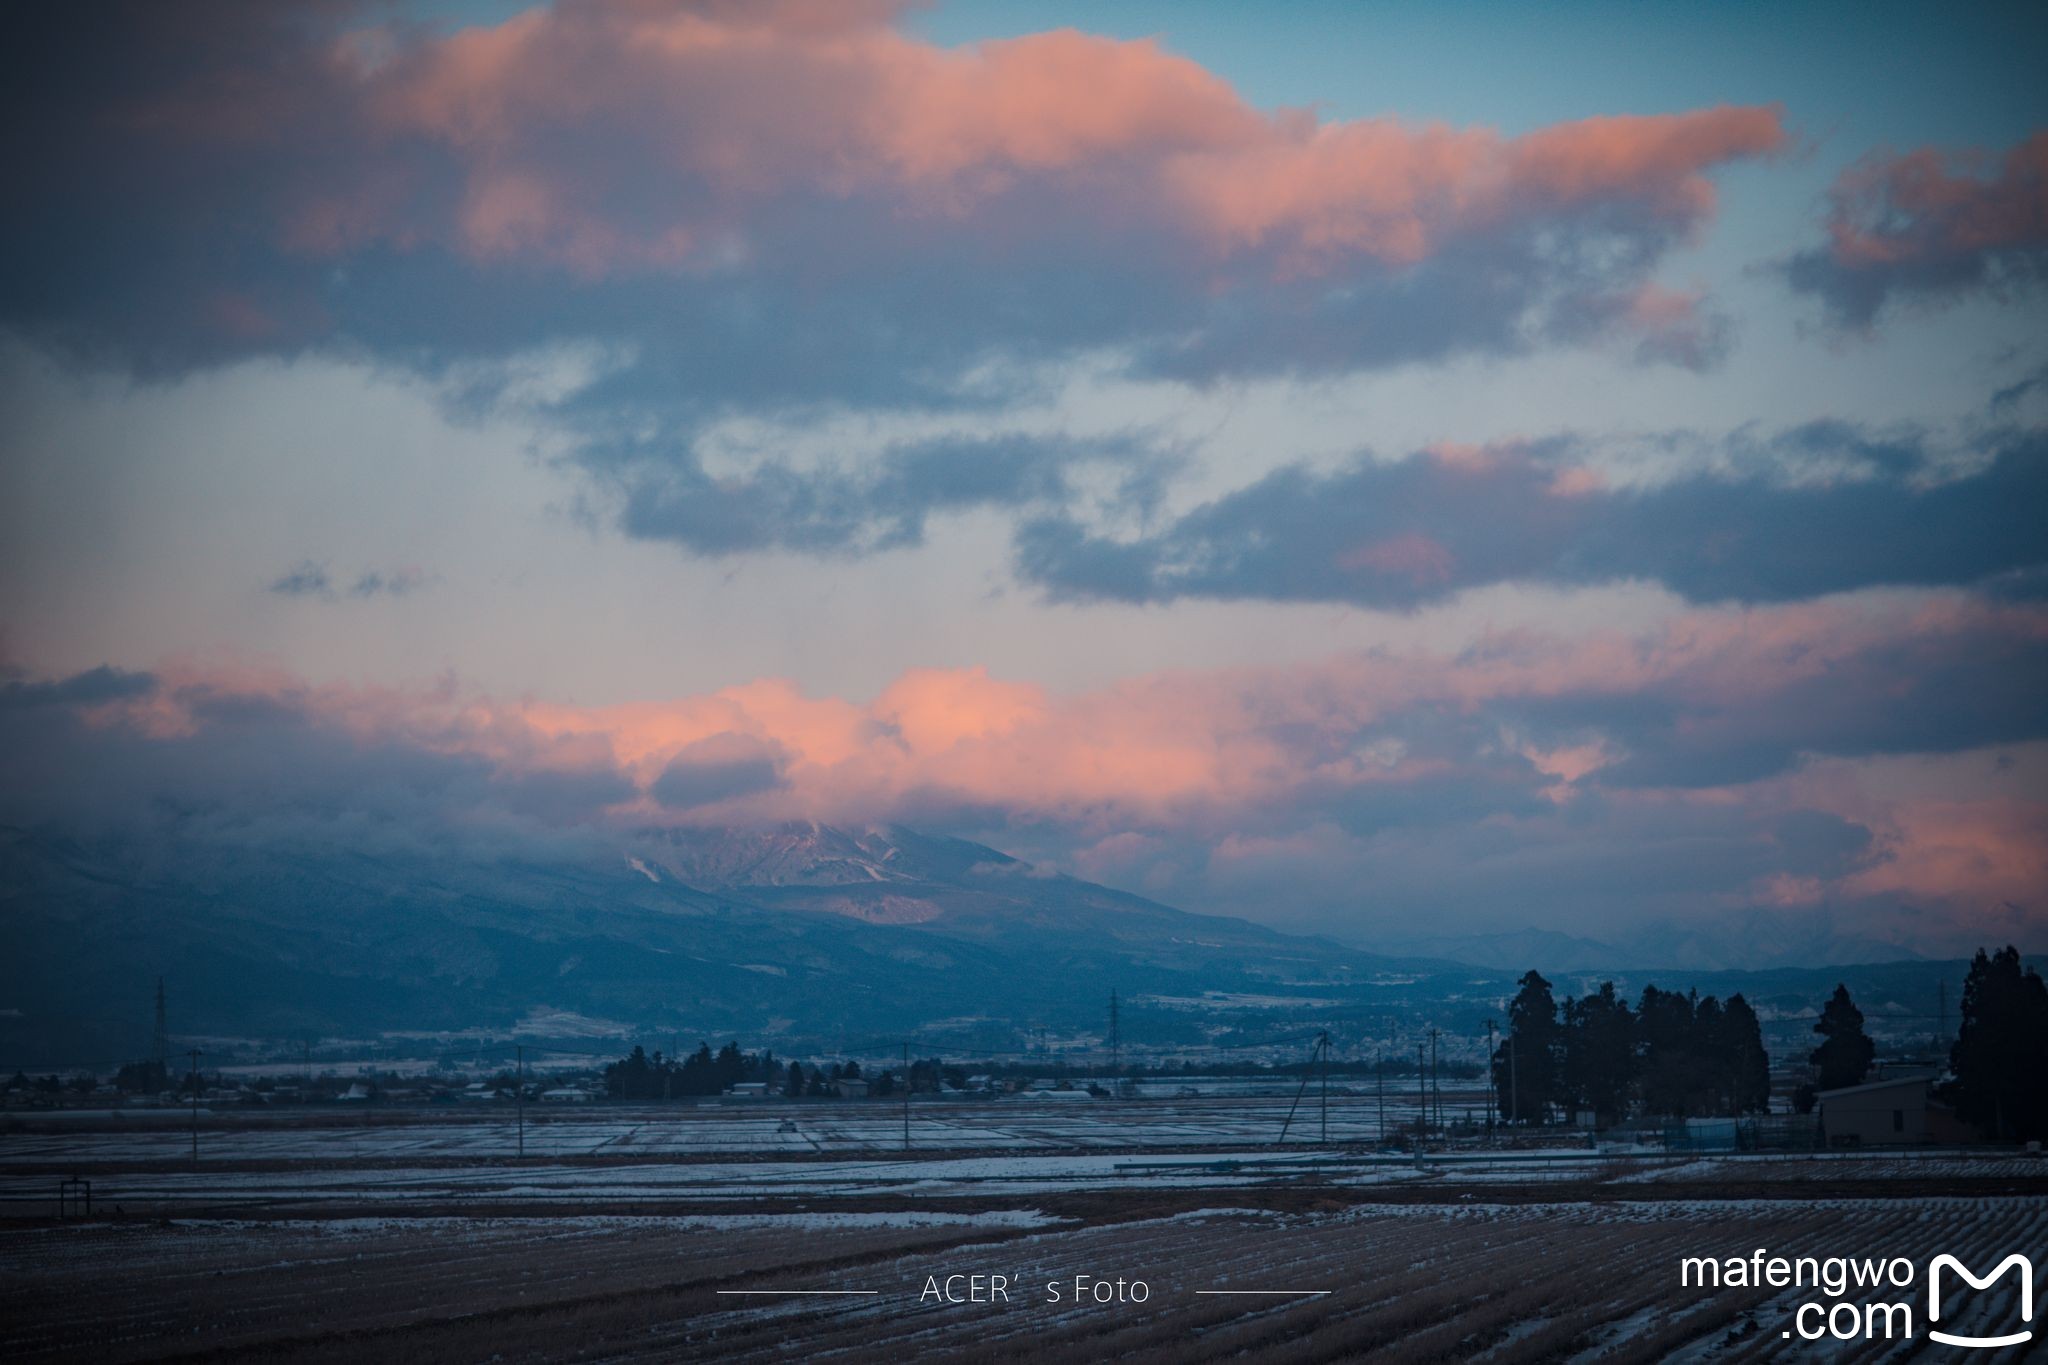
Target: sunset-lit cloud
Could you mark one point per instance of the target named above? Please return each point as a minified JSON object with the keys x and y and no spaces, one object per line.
{"x":1930,"y":225}
{"x":1348,"y":466}
{"x":1329,"y":769}
{"x":609,"y":168}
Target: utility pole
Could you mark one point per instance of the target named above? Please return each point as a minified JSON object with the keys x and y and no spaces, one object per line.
{"x":1116,"y":1047}
{"x":1436,"y":1093}
{"x":1421,"y":1092}
{"x":1940,"y":1012}
{"x":519,"y":1097}
{"x":1379,"y":1066}
{"x":195,"y":1054}
{"x":906,"y":1096}
{"x":1514,"y":1085}
{"x":1323,"y":1045}
{"x":161,"y":1046}
{"x":1492,"y":1108}
{"x":1308,"y":1073}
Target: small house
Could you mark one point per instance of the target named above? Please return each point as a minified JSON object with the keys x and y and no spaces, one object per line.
{"x":1898,"y":1111}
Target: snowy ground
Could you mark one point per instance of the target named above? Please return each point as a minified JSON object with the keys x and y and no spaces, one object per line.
{"x":1568,"y":1280}
{"x":725,"y":1153}
{"x":1051,"y":1120}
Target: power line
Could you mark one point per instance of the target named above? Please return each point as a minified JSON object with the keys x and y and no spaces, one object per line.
{"x":1308,"y":1073}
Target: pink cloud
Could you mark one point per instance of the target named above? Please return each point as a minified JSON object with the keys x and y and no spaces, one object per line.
{"x":1931,"y":223}
{"x":620,"y":137}
{"x":1990,"y":852}
{"x":1853,"y":786}
{"x":1413,"y":556}
{"x":1927,"y":203}
{"x":1172,"y":749}
{"x":1049,"y":193}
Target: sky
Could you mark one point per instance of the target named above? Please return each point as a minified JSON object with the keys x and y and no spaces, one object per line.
{"x":1379,"y":470}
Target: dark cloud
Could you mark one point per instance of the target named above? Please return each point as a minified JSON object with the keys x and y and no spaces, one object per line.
{"x":883,"y":504}
{"x":387,"y":583}
{"x":256,"y":760}
{"x":718,"y":768}
{"x":808,"y":214}
{"x":93,"y":687}
{"x":1727,"y":708}
{"x":558,"y":796}
{"x":1929,"y":226}
{"x":304,"y":579}
{"x":310,"y":579}
{"x":1822,"y":508}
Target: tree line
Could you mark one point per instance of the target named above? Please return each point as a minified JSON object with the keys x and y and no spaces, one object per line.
{"x":638,"y":1076}
{"x":1998,"y":1066}
{"x":1681,"y":1056}
{"x":643,"y":1076}
{"x":1997,"y":1079}
{"x":1672,"y":1056}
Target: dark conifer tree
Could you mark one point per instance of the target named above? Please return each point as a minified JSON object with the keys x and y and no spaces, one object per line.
{"x":1525,"y":1064}
{"x":1667,"y":1026}
{"x":2000,"y":1058}
{"x":1743,"y":1059}
{"x":1843,"y":1058}
{"x":1599,"y":1054}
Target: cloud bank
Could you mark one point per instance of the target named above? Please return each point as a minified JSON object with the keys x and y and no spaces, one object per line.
{"x":1823,"y":508}
{"x":1889,"y":751}
{"x":786,"y":202}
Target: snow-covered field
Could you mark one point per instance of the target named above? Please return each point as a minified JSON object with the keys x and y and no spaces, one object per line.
{"x":1479,"y":1280}
{"x":686,"y":1233}
{"x":726,"y":1153}
{"x":1049,"y":1120}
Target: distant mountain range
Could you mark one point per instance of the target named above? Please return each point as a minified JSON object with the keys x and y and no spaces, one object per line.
{"x":1756,"y":940}
{"x":805,"y":931}
{"x":799,"y":936}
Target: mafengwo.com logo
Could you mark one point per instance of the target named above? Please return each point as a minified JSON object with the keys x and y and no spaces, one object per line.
{"x":2015,"y":1261}
{"x":1852,"y":1284}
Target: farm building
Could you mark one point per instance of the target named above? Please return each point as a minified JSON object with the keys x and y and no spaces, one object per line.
{"x":1895,"y":1112}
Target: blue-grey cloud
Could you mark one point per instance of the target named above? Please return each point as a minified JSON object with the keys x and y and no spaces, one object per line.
{"x":310,"y":579}
{"x":387,"y":583}
{"x":1929,"y":226}
{"x":261,"y":760}
{"x":1870,"y":510}
{"x":94,"y":687}
{"x":878,"y":505}
{"x":718,"y":768}
{"x":252,"y":179}
{"x":304,"y":579}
